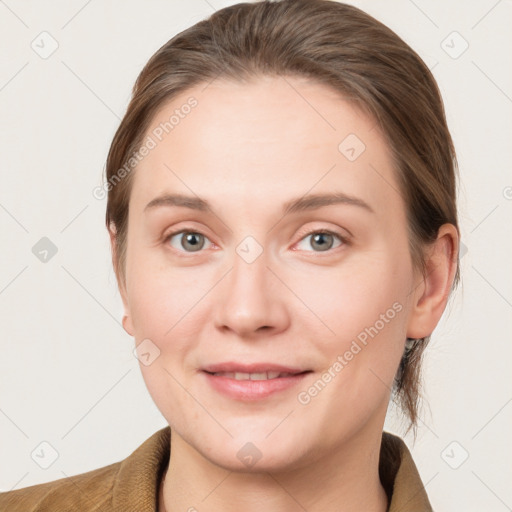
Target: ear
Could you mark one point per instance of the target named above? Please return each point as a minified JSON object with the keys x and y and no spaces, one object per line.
{"x":127,"y":322}
{"x":431,"y":295}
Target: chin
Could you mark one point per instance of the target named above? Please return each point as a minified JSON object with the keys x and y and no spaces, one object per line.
{"x":252,"y":450}
{"x":251,"y":458}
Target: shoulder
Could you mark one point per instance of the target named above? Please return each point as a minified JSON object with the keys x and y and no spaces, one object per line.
{"x":130,"y":484}
{"x":400,"y":477}
{"x":87,"y":492}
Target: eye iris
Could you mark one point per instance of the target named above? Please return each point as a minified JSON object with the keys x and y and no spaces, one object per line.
{"x":319,"y":237}
{"x":192,"y":239}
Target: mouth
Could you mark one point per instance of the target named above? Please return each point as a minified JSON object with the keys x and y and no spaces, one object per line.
{"x":256,"y":375}
{"x":252,"y":382}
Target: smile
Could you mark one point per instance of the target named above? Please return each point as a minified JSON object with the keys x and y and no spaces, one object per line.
{"x":252,"y":386}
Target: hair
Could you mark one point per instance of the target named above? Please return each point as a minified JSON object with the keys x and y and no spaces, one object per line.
{"x":336,"y":45}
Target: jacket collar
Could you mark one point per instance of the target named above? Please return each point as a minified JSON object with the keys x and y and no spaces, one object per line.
{"x":400,"y":477}
{"x":137,"y":482}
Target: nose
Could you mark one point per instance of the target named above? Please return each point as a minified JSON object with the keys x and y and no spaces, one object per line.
{"x":251,"y":300}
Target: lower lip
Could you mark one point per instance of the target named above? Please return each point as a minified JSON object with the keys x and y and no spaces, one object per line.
{"x":250,"y":390}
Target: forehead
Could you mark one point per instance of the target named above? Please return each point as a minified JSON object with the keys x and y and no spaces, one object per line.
{"x":281,"y":136}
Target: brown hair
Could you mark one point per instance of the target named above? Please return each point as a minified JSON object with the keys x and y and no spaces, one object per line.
{"x":337,"y":45}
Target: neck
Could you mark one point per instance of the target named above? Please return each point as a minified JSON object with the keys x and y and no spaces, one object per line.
{"x":345,"y":480}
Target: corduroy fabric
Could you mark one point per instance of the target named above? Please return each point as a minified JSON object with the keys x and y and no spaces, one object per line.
{"x":133,"y":483}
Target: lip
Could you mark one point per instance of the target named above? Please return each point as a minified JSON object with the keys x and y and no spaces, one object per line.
{"x":252,"y":390}
{"x":231,"y":366}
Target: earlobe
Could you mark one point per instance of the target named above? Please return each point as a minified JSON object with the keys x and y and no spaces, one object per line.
{"x":431,"y":296}
{"x":127,"y":325}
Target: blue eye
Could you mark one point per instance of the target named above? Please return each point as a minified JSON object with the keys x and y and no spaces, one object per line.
{"x":191,"y":242}
{"x":323,"y":240}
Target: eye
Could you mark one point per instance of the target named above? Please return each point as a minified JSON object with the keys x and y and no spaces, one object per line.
{"x":323,"y":240}
{"x":192,"y":241}
{"x":189,"y":241}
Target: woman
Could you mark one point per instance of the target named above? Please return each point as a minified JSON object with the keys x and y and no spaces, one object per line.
{"x":281,"y":207}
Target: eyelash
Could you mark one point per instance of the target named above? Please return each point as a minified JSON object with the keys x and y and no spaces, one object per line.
{"x":343,"y":239}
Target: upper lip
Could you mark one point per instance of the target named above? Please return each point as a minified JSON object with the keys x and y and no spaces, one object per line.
{"x":234,"y":367}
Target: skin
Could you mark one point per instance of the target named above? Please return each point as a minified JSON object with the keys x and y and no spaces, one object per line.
{"x":247,"y":149}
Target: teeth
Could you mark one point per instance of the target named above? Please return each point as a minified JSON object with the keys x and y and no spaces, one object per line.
{"x":252,"y":376}
{"x":257,"y":376}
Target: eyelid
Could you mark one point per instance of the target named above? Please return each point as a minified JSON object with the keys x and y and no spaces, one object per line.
{"x":345,"y":239}
{"x":187,"y":229}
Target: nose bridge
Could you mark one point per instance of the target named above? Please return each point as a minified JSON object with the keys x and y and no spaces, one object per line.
{"x":249,"y":299}
{"x":249,"y":274}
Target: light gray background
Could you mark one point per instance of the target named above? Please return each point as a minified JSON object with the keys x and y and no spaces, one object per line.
{"x":68,"y":376}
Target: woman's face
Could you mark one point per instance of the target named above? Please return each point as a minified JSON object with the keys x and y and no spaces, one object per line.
{"x":244,"y":282}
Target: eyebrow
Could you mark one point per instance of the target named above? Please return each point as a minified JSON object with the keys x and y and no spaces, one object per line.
{"x":301,"y":204}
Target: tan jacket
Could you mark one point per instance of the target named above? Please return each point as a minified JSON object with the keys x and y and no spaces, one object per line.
{"x":133,"y":483}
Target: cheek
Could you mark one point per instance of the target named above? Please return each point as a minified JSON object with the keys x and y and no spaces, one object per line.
{"x":356,"y":296}
{"x":162,"y":297}
{"x":367,"y":312}
{"x":164,"y":305}
{"x":364,"y":309}
{"x":169,"y":307}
